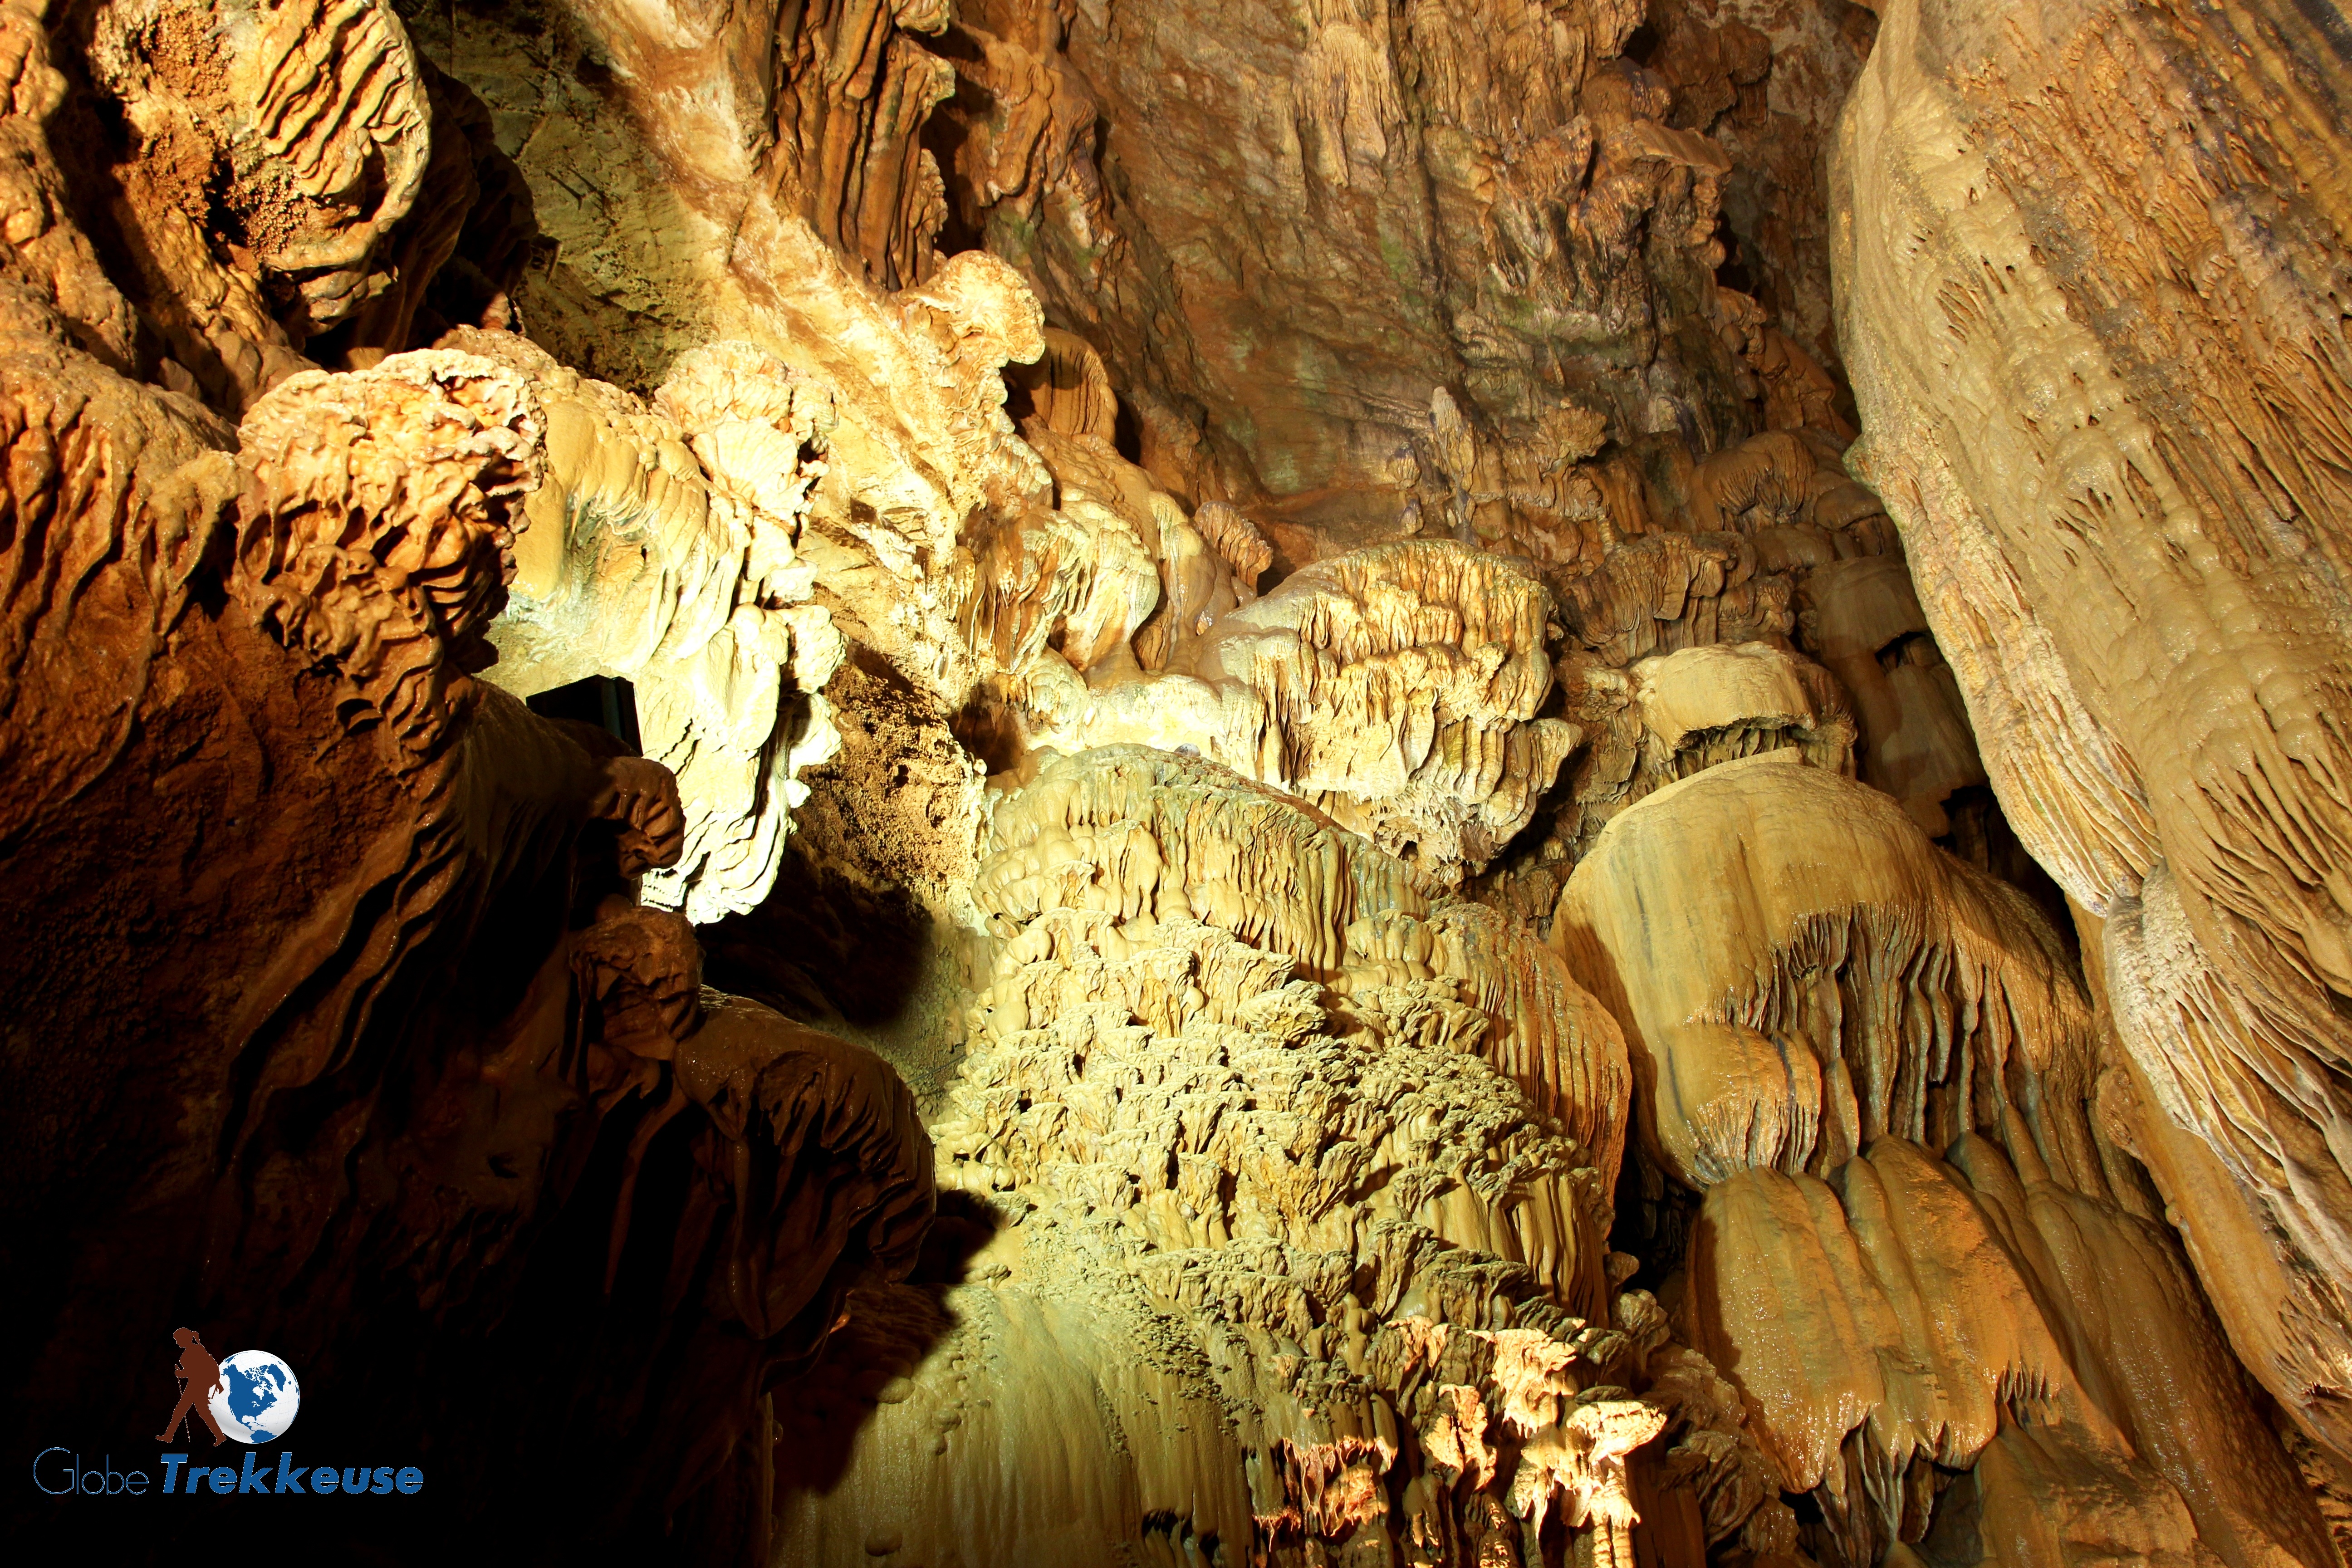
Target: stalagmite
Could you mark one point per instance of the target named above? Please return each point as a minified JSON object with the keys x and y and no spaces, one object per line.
{"x":1026,"y":783}
{"x":2140,"y":567}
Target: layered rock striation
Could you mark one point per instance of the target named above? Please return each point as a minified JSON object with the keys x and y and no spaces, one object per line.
{"x":2141,"y":562}
{"x":1021,"y":783}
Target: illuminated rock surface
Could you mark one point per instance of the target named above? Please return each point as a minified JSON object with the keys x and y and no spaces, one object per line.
{"x":1049,"y":783}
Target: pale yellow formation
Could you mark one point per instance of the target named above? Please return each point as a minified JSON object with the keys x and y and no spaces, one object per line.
{"x":1673,"y":715}
{"x":1397,"y":687}
{"x":1906,"y":1319}
{"x":1701,"y":609}
{"x":2085,"y":263}
{"x":660,"y":551}
{"x":1817,"y":1001}
{"x":1226,"y":1086}
{"x":1401,"y":685}
{"x":1802,"y":973}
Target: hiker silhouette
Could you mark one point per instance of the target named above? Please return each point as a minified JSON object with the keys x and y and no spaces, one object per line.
{"x":199,"y":1374}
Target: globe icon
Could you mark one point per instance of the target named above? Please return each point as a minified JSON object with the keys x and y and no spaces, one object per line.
{"x":256,"y":1398}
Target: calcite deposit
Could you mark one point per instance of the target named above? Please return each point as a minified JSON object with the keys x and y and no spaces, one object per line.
{"x":1035,"y":783}
{"x":2140,"y":561}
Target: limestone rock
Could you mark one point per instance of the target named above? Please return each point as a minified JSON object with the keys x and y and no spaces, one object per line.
{"x":1402,"y":686}
{"x":2143,"y":631}
{"x":1978,"y":1322}
{"x":379,"y":529}
{"x":241,"y":707}
{"x":1824,"y":979}
{"x":1310,"y":881}
{"x":1341,"y":219}
{"x":1248,"y":1166}
{"x":1398,"y":687}
{"x":660,"y":552}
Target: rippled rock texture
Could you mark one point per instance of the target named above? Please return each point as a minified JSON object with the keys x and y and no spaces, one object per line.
{"x":1069,"y":782}
{"x":2144,"y":565}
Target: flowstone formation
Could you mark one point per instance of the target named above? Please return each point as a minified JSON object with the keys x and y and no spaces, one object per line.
{"x":2145,"y":569}
{"x":1831,"y":1006}
{"x":1036,"y":783}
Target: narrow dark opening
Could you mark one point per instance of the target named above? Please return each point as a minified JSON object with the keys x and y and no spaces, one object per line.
{"x":606,"y":701}
{"x":1127,"y":436}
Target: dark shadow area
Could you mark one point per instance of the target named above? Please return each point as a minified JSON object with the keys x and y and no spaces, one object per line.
{"x":822,"y":946}
{"x":985,"y":727}
{"x":1982,"y":836}
{"x":852,"y":938}
{"x":891,"y":1331}
{"x":944,"y":133}
{"x":605,"y":702}
{"x":542,"y":1437}
{"x":1127,"y":434}
{"x":1654,"y":1215}
{"x":841,"y":936}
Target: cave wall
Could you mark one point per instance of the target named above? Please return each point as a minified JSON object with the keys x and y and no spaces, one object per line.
{"x":2143,"y":561}
{"x":1306,"y":864}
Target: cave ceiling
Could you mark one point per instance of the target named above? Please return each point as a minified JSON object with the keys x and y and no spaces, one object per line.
{"x":1026,"y":783}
